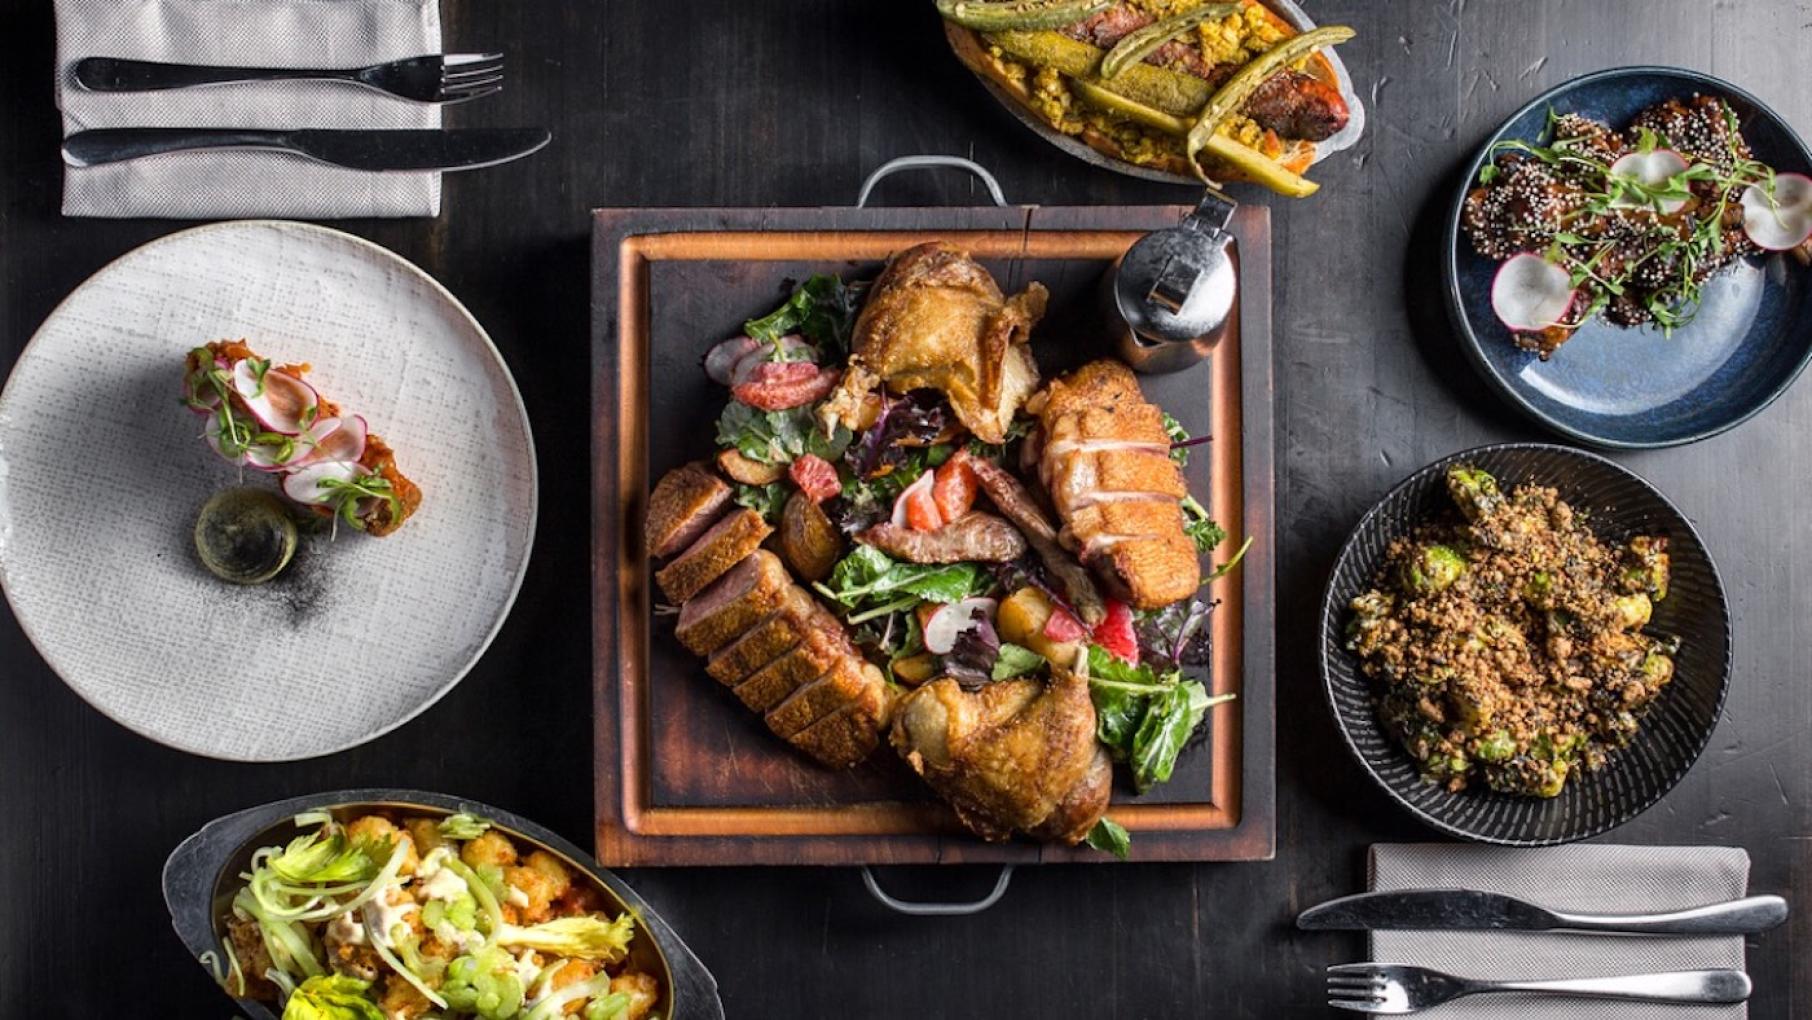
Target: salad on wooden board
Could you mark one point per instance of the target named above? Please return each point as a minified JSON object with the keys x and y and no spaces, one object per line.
{"x":906,"y":536}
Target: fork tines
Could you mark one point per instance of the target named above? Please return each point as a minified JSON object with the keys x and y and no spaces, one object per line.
{"x":470,"y":75}
{"x":1355,"y":986}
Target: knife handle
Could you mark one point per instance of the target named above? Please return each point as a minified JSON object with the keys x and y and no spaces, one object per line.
{"x":111,"y":145}
{"x":1747,"y":916}
{"x":113,"y":74}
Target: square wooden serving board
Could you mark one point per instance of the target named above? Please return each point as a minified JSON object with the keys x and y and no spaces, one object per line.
{"x":685,"y":774}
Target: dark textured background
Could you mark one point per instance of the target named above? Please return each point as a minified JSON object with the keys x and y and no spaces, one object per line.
{"x":716,"y":102}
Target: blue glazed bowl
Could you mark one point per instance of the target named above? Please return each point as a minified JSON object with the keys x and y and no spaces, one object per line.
{"x":1613,"y":386}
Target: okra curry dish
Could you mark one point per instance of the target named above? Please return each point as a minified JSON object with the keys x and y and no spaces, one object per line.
{"x":1509,"y":643}
{"x":1219,"y":91}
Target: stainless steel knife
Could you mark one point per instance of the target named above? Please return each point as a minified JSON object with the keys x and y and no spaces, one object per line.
{"x":432,"y":149}
{"x":1429,"y":909}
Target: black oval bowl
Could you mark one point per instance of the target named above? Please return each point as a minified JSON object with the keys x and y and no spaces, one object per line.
{"x":201,"y":877}
{"x":1632,"y":388}
{"x":1674,"y":731}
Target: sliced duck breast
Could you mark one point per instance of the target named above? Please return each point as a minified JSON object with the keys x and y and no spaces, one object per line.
{"x":744,"y":596}
{"x":722,"y":546}
{"x":684,"y":504}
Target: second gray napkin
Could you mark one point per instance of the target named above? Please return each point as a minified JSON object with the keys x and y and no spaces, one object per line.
{"x":1587,"y":877}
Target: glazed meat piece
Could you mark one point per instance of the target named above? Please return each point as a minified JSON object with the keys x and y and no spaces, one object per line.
{"x":1105,"y":463}
{"x":722,"y":546}
{"x":685,"y":502}
{"x":1015,"y":756}
{"x":935,"y":319}
{"x":740,"y":599}
{"x":1298,"y":105}
{"x":976,"y":536}
{"x":1012,"y":499}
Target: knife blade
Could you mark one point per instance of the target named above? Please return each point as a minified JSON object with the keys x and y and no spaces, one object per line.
{"x":375,"y":150}
{"x":1431,"y":909}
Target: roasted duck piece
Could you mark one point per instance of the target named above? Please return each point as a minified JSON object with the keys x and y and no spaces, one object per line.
{"x":936,"y":319}
{"x":1104,"y":459}
{"x":1015,"y":756}
{"x":722,"y":546}
{"x":976,"y":536}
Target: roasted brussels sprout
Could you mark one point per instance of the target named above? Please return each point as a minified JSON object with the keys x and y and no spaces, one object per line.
{"x":1473,"y":490}
{"x":1432,"y":568}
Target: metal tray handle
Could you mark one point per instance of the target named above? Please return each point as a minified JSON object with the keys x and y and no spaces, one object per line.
{"x":893,"y":166}
{"x":918,"y":908}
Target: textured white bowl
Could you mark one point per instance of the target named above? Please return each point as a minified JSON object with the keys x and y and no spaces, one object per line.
{"x":102,"y":471}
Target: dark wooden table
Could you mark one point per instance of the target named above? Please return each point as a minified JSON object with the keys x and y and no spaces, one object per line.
{"x":717,"y":102}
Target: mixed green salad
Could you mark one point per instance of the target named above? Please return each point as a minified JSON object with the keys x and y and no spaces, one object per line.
{"x":913,"y":465}
{"x":397,"y":918}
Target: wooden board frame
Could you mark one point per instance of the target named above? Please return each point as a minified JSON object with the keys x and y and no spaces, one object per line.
{"x":1237,"y":819}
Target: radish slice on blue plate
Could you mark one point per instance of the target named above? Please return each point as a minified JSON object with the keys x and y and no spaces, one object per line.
{"x":280,"y":401}
{"x":1652,"y":169}
{"x":1783,"y":222}
{"x":1530,"y":293}
{"x":945,"y":624}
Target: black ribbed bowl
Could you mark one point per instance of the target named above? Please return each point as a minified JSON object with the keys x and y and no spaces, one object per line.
{"x":1677,"y":725}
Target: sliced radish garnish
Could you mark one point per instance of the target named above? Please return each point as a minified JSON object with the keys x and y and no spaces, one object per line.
{"x":280,"y":401}
{"x":721,"y":361}
{"x":213,"y":438}
{"x":1783,"y":222}
{"x":791,"y":346}
{"x":304,"y":485}
{"x":945,"y":624}
{"x":346,"y":443}
{"x":1531,"y":293}
{"x":305,"y":447}
{"x":915,"y":508}
{"x":1651,"y":169}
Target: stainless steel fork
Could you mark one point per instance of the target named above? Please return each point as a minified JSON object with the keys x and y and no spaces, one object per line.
{"x":1394,"y":988}
{"x":433,"y":78}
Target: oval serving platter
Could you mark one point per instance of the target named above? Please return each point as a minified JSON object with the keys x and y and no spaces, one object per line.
{"x":1290,"y":12}
{"x":1632,"y":388}
{"x":102,"y":472}
{"x":201,"y":877}
{"x":1675,"y":730}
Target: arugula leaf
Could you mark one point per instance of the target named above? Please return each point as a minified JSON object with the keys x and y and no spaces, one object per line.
{"x":767,"y":500}
{"x":777,"y":437}
{"x":1142,"y":718}
{"x":1015,"y":660}
{"x":1110,"y":836}
{"x":821,"y":309}
{"x":1201,"y":528}
{"x":868,"y":579}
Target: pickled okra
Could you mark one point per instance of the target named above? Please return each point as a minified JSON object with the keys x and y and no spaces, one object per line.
{"x":996,"y":15}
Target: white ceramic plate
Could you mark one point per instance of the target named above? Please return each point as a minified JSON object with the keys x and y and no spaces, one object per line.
{"x":102,"y":472}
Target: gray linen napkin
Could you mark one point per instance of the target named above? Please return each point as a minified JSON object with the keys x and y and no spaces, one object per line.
{"x":261,"y":33}
{"x":1586,"y":877}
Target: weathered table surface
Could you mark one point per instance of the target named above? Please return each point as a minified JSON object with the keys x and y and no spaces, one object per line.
{"x":724,"y":103}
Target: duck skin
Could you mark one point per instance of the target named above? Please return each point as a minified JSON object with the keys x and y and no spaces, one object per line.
{"x":1016,"y":756}
{"x":1105,"y":463}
